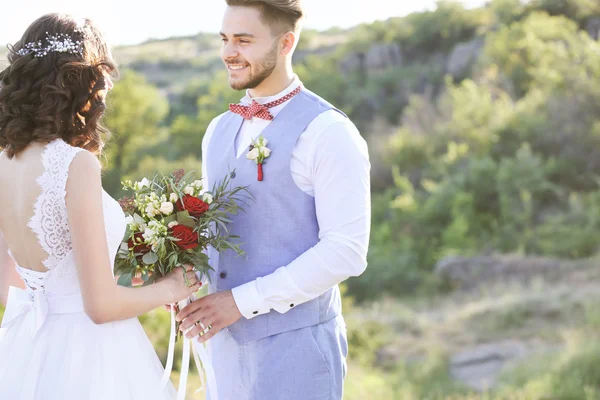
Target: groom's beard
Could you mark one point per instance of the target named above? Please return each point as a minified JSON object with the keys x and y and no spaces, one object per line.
{"x":263,"y":70}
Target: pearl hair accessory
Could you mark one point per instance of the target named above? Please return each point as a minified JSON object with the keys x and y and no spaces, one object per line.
{"x":60,"y":43}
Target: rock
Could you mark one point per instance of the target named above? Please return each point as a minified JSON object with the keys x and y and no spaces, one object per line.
{"x":593,"y":27}
{"x":463,"y":56}
{"x":383,"y":56}
{"x":471,"y":272}
{"x":378,"y":57}
{"x":479,"y":367}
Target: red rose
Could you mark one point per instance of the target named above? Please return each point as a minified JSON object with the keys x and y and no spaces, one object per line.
{"x":188,"y":239}
{"x":138,"y":248}
{"x":195,"y":206}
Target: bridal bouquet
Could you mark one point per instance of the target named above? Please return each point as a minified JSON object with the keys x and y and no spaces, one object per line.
{"x":171,"y":221}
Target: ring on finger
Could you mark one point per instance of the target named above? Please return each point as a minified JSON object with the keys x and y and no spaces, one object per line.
{"x":188,"y":329}
{"x":205,"y":329}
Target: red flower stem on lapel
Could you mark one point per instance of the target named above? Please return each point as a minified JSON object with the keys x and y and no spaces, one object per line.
{"x":260,"y":172}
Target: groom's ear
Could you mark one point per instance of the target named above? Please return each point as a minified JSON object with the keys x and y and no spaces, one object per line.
{"x":288,"y":43}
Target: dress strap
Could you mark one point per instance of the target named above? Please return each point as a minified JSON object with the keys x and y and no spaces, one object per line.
{"x":49,"y":221}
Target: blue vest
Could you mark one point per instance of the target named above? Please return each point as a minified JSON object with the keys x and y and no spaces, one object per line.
{"x":278,"y":225}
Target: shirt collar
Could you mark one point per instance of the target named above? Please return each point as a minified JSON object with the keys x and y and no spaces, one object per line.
{"x":247,"y":99}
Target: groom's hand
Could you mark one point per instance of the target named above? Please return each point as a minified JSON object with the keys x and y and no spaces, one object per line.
{"x":217,"y":310}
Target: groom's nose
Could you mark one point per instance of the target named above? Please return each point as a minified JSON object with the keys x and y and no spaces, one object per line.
{"x":229,"y":51}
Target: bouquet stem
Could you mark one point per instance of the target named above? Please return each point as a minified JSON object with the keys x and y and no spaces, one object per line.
{"x":178,"y":333}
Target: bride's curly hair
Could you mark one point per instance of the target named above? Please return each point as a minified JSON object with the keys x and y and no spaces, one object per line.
{"x":57,"y":95}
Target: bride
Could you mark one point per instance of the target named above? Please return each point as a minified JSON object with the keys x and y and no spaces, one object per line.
{"x":69,"y":332}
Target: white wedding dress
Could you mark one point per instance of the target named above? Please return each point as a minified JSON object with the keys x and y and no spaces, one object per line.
{"x":49,"y":347}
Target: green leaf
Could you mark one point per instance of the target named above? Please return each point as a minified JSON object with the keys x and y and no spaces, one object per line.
{"x":150,"y":280}
{"x":183,"y":217}
{"x":150,"y":258}
{"x":128,"y":233}
{"x":200,"y":258}
{"x":125,"y":279}
{"x":170,"y":218}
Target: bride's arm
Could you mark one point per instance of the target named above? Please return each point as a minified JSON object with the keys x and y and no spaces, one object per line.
{"x":105,"y":301}
{"x":8,"y":273}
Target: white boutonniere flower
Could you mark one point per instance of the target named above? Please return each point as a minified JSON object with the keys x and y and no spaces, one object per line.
{"x":258,"y":151}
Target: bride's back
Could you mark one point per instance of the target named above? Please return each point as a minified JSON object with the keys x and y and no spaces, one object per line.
{"x":53,"y":90}
{"x":20,"y":191}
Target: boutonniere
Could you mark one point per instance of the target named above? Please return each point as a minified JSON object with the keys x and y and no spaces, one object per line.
{"x":257,"y":152}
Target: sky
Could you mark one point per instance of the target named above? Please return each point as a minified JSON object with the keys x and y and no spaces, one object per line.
{"x":134,"y":21}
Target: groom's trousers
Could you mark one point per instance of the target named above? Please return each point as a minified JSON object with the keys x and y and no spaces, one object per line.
{"x":303,"y":364}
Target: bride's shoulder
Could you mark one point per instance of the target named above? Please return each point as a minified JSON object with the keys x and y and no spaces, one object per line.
{"x":80,"y":157}
{"x":86,"y":163}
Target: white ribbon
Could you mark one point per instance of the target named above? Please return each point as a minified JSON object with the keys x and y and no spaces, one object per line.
{"x":201,"y":358}
{"x":20,"y":302}
{"x":171,"y":353}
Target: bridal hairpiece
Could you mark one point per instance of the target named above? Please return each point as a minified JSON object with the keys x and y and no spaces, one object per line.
{"x":59,"y":43}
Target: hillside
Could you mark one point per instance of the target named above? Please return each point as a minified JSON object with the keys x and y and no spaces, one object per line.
{"x":172,"y":64}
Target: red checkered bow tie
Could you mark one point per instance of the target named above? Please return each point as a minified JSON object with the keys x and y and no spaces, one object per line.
{"x":261,"y":110}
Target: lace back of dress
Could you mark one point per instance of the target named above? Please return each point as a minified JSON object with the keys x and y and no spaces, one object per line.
{"x":49,"y":221}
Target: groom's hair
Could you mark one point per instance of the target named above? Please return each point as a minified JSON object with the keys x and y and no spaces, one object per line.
{"x":281,"y":15}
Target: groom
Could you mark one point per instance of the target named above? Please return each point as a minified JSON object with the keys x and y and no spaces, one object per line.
{"x":275,"y":316}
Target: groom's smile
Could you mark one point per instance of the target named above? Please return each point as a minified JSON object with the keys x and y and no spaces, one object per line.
{"x":236,"y":68}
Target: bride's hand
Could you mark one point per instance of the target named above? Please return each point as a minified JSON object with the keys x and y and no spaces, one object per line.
{"x":175,"y":283}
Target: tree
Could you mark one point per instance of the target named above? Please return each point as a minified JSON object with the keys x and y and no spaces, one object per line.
{"x":135,"y":112}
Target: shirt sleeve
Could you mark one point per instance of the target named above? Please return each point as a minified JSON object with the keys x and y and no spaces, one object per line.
{"x":341,"y":179}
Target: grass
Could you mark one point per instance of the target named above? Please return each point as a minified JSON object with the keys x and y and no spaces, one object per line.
{"x":558,"y":323}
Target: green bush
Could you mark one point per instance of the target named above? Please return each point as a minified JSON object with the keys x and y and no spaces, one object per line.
{"x":485,"y":170}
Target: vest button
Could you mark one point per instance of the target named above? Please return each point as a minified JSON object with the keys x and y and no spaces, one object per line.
{"x":223,"y":275}
{"x":255,"y":312}
{"x":292,"y":305}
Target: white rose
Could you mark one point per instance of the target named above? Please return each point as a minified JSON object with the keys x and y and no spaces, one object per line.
{"x":145,"y":183}
{"x":207,"y":197}
{"x":265,"y":152}
{"x":166,"y":208}
{"x":189,"y":190}
{"x":173,"y":197}
{"x":197,"y":183}
{"x":173,"y":223}
{"x":129,"y":220}
{"x":252,"y":154}
{"x":150,"y":210}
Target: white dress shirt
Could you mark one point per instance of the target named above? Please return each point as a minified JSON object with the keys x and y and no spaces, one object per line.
{"x":330,"y":162}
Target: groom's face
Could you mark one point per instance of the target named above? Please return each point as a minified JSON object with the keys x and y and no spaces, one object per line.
{"x":250,"y":51}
